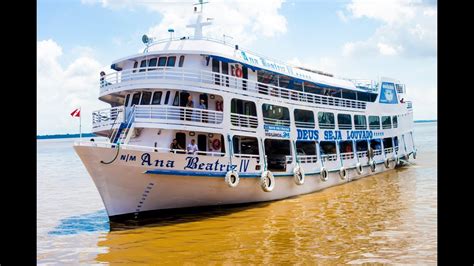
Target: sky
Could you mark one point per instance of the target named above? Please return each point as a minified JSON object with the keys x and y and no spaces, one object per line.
{"x":76,"y":39}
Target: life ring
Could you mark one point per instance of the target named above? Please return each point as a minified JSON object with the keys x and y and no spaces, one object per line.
{"x":372,"y":165}
{"x":238,"y":73}
{"x":359,"y":168}
{"x":324,"y":174}
{"x":298,"y":175}
{"x":267,"y":181}
{"x":216,"y":144}
{"x":386,"y":162}
{"x":343,"y":173}
{"x":232,"y":178}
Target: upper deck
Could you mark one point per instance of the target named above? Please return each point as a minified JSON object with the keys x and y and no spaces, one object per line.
{"x":226,"y":52}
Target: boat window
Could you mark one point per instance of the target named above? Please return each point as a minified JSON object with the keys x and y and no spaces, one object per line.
{"x":387,"y":143}
{"x":386,"y":122}
{"x":202,"y":142}
{"x":142,"y":65}
{"x":304,"y":118}
{"x":176,"y":99}
{"x":136,"y":98}
{"x":376,"y":144}
{"x":243,"y":107}
{"x":127,"y":98}
{"x":167,"y":97}
{"x":152,"y":62}
{"x":361,"y":145}
{"x":374,"y":122}
{"x":395,"y":141}
{"x":311,"y":88}
{"x":348,"y":94}
{"x":363,"y":96}
{"x":171,"y":61}
{"x":327,"y":147}
{"x":326,"y":120}
{"x":181,"y":139}
{"x":181,"y":61}
{"x":372,"y":97}
{"x":298,"y":86}
{"x":245,"y":145}
{"x":275,"y":112}
{"x":225,"y":70}
{"x":277,"y":151}
{"x":135,"y":66}
{"x":344,"y":121}
{"x":162,"y":61}
{"x":215,"y":68}
{"x":345,"y":146}
{"x":395,"y":121}
{"x":305,"y":147}
{"x":360,"y":122}
{"x":145,"y":98}
{"x":156,"y":97}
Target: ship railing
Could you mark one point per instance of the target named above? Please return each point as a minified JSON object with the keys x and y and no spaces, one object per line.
{"x":308,"y":158}
{"x":362,"y":154}
{"x":329,"y":157}
{"x":248,"y":156}
{"x":396,"y":149}
{"x":304,"y":124}
{"x":146,"y":148}
{"x":365,"y":84}
{"x":360,"y":127}
{"x":228,"y":83}
{"x":240,"y":120}
{"x":347,"y":155}
{"x":107,"y":117}
{"x":178,"y":113}
{"x":409,"y":104}
{"x":377,"y":152}
{"x":388,"y":150}
{"x":276,"y":122}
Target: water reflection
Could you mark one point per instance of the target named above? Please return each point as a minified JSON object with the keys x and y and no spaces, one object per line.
{"x":363,"y":221}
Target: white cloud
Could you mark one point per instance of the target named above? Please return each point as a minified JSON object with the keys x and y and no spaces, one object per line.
{"x":62,"y":89}
{"x":409,"y":28}
{"x":243,"y":20}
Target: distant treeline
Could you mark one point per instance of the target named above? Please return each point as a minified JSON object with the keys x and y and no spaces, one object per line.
{"x":64,"y":136}
{"x":425,"y":121}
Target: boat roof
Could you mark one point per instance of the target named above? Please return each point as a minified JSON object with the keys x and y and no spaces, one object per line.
{"x":233,"y":54}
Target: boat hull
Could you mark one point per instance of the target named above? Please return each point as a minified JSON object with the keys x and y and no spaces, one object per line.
{"x":130,"y":189}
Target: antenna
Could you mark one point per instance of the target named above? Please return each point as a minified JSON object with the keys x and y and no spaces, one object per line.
{"x":199,"y":24}
{"x":171,"y":31}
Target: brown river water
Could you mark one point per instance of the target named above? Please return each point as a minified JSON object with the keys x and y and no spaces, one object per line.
{"x":390,"y":218}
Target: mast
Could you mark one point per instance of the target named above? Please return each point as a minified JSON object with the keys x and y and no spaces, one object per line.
{"x":199,"y":24}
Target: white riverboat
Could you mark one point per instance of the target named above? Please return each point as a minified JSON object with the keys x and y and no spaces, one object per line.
{"x":263,"y":129}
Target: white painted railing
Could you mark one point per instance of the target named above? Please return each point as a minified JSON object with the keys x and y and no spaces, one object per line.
{"x":409,"y":105}
{"x":228,"y":83}
{"x":145,"y":148}
{"x":244,"y":120}
{"x":329,"y":157}
{"x":277,"y":122}
{"x":362,"y":154}
{"x":107,"y":117}
{"x":308,"y":158}
{"x":305,"y":124}
{"x":377,"y":152}
{"x":163,"y":112}
{"x":388,"y":150}
{"x":347,"y":156}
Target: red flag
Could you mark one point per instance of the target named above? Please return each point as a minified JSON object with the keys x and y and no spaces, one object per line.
{"x":76,"y":113}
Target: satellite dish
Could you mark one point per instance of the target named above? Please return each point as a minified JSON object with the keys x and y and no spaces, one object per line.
{"x":145,"y":39}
